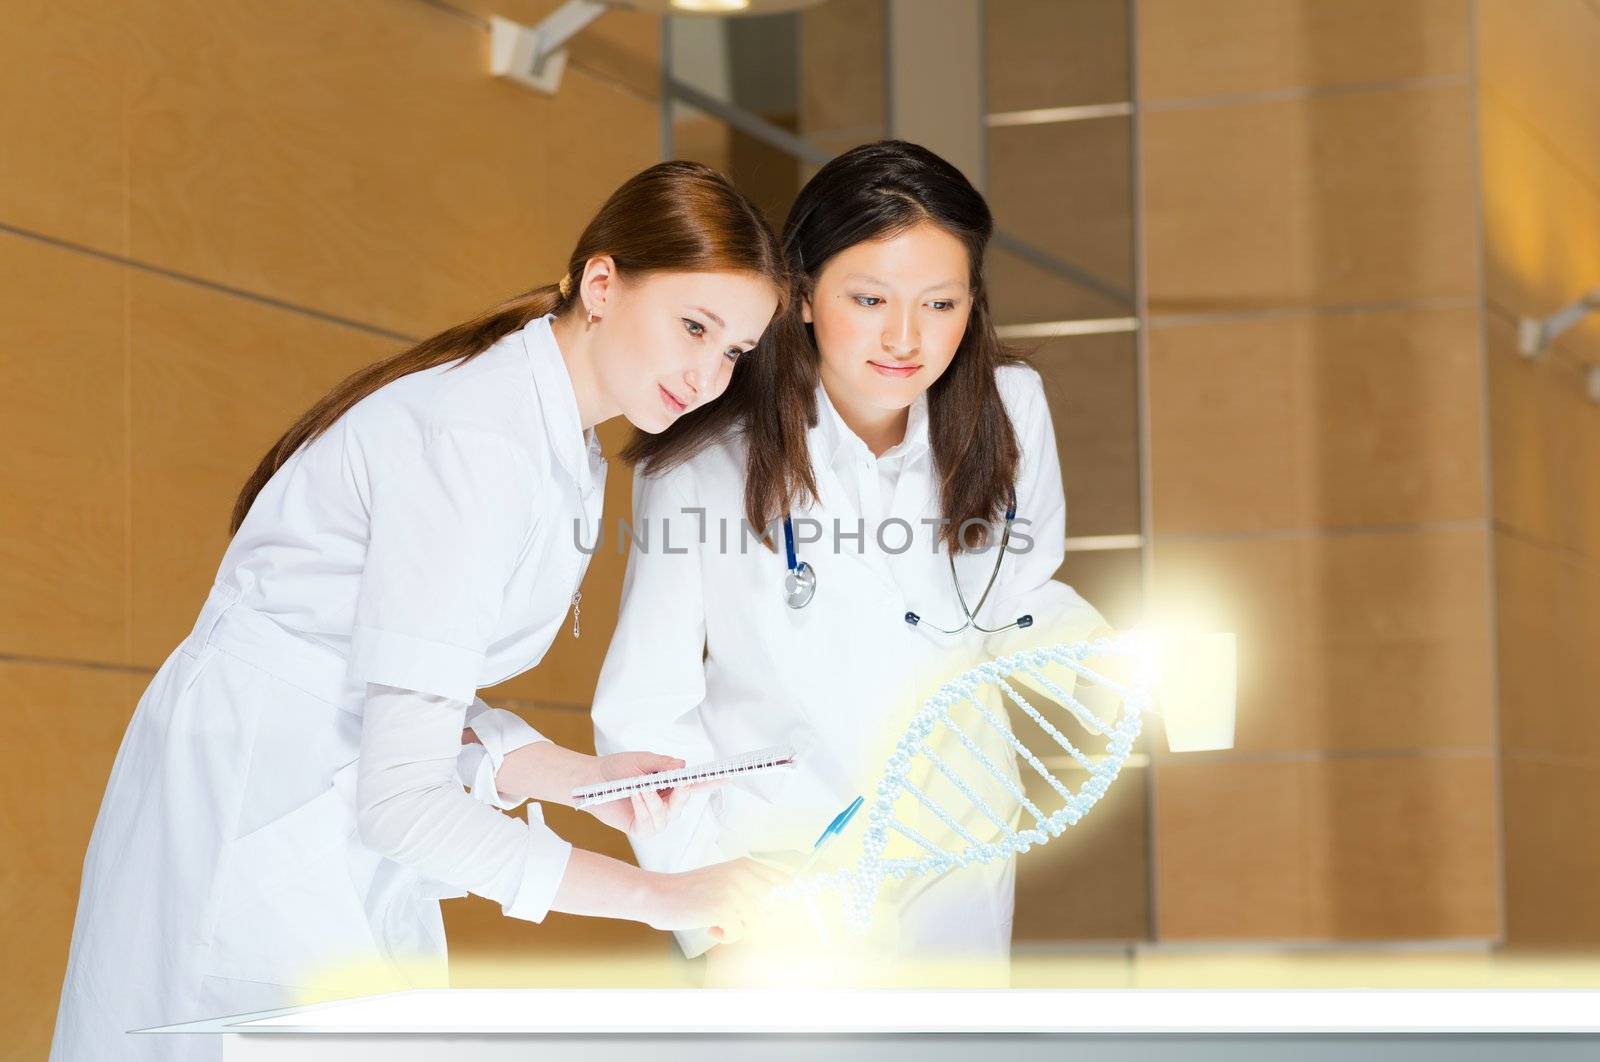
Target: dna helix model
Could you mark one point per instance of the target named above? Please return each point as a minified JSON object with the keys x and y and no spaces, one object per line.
{"x":861,"y":883}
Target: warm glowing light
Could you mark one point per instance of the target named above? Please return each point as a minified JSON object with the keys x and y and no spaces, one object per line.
{"x":1148,"y":990}
{"x":703,"y":7}
{"x":1198,"y":690}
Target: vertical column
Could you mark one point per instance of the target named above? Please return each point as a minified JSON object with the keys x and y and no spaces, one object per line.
{"x":935,"y":79}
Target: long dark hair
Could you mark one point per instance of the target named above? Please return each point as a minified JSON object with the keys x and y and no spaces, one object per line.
{"x":869,"y":193}
{"x":672,"y":217}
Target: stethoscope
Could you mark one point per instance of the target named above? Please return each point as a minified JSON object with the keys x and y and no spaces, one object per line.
{"x":800,"y":583}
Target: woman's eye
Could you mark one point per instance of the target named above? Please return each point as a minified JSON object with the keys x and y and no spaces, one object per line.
{"x":732,"y":353}
{"x":867,"y":300}
{"x":944,"y":304}
{"x":695,"y":328}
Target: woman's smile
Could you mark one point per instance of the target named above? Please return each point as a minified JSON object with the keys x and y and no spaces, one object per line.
{"x":896,"y":370}
{"x":672,"y":402}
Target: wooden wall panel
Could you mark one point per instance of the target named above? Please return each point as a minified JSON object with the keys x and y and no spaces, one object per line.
{"x":1230,"y":854}
{"x":1346,"y":642}
{"x":1357,"y":198}
{"x":1548,"y":604}
{"x":1223,"y":47}
{"x":62,"y":170}
{"x":1552,"y":862}
{"x":215,"y":381}
{"x":1092,"y":883}
{"x":1056,"y":53}
{"x":1330,"y":849}
{"x":63,"y":383}
{"x":70,"y":722}
{"x":393,"y":182}
{"x":1022,"y":292}
{"x":842,"y":77}
{"x":1317,"y":421}
{"x":1066,"y":188}
{"x":1091,"y":383}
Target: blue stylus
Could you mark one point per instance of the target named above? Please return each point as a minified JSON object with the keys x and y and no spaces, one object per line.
{"x":840,"y":821}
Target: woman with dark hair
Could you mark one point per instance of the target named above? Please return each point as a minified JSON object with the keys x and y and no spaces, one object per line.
{"x":287,"y":806}
{"x":900,"y":463}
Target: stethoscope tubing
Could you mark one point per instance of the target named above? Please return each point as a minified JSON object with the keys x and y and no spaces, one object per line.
{"x":800,"y":582}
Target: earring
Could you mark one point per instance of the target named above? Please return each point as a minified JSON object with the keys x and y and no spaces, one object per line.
{"x":594,"y":318}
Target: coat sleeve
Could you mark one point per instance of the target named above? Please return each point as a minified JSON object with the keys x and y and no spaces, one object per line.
{"x":499,"y":734}
{"x":653,"y":680}
{"x":450,"y":511}
{"x":410,"y":807}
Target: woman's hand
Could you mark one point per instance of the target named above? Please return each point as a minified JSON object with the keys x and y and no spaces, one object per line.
{"x":643,"y":813}
{"x":545,"y":771}
{"x":723,"y":898}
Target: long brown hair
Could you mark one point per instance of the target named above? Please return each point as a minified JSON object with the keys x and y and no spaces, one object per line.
{"x":672,"y":217}
{"x":869,"y":193}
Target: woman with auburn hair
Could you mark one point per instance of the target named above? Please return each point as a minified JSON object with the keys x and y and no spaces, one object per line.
{"x":287,"y":805}
{"x":901,"y":460}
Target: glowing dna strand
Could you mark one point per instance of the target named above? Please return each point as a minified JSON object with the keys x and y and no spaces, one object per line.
{"x":862,"y":882}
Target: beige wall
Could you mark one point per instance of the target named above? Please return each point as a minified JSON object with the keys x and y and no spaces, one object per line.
{"x":1316,"y":419}
{"x":210,"y":212}
{"x":1539,"y":126}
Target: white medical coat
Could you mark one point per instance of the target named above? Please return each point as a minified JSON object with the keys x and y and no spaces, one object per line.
{"x":709,"y":661}
{"x":425,"y":542}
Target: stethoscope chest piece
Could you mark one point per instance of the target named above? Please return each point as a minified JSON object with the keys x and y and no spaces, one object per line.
{"x":799,"y":585}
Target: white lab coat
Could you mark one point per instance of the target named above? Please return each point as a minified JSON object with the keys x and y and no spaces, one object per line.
{"x":709,"y":661}
{"x":425,"y":542}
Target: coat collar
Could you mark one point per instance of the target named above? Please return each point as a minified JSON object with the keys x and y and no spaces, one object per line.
{"x":832,"y":437}
{"x":576,"y":450}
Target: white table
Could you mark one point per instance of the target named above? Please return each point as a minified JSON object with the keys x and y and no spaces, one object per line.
{"x":662,"y":1025}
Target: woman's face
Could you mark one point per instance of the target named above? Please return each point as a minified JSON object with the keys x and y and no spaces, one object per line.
{"x":888,"y":316}
{"x":668,"y":341}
